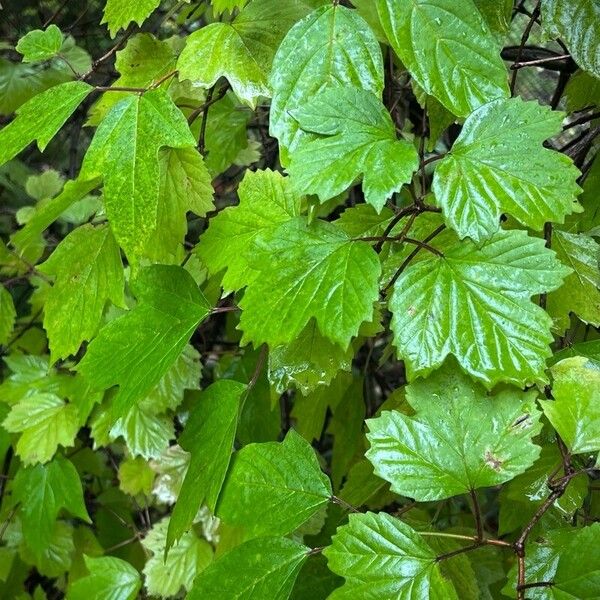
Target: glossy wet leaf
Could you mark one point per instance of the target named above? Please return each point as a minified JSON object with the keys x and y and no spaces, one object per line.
{"x":475,"y":303}
{"x":459,"y":439}
{"x":331,"y":46}
{"x":575,"y":410}
{"x":41,"y":117}
{"x":261,"y":569}
{"x":355,"y":139}
{"x":448,"y":49}
{"x":309,"y":271}
{"x":483,"y":176}
{"x":406,"y":565}
{"x":265,"y":201}
{"x":118,"y":14}
{"x":136,"y":350}
{"x":125,"y":153}
{"x":108,"y":577}
{"x":208,"y":436}
{"x":88,"y":273}
{"x":273,"y":488}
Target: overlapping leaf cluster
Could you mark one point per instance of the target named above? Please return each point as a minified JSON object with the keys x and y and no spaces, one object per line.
{"x":300,"y":300}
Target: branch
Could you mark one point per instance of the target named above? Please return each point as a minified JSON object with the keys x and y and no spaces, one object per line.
{"x":534,"y":15}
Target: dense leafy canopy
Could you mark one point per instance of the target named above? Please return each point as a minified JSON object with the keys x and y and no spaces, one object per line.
{"x":299,"y":299}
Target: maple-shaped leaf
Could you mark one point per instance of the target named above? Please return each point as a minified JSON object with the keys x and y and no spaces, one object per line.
{"x":125,"y":153}
{"x":41,"y":117}
{"x":118,"y":14}
{"x":40,"y":44}
{"x":135,"y":350}
{"x":266,"y":201}
{"x":88,"y":273}
{"x":459,"y":439}
{"x":264,"y":568}
{"x":407,"y":567}
{"x":474,"y":302}
{"x":309,"y":271}
{"x":243,"y":49}
{"x":580,"y":293}
{"x":44,"y":490}
{"x":355,"y":138}
{"x":448,"y":49}
{"x":483,"y":176}
{"x":331,"y":46}
{"x":273,"y":488}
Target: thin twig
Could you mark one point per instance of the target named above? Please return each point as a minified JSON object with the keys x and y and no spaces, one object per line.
{"x":534,"y":15}
{"x":477,"y":514}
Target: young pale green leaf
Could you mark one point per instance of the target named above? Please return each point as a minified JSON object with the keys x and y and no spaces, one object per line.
{"x":108,"y":578}
{"x":88,"y":273}
{"x":309,"y":271}
{"x":135,"y":476}
{"x":266,"y":201}
{"x":356,"y":138}
{"x":220,"y":6}
{"x":475,"y":303}
{"x":242,"y":50}
{"x":261,"y":569}
{"x":273,"y":488}
{"x":45,"y":422}
{"x":483,"y":176}
{"x":125,"y":152}
{"x":332,"y":45}
{"x":8,"y":315}
{"x":448,"y":49}
{"x":136,"y":350}
{"x":460,"y":439}
{"x":581,"y":291}
{"x":40,"y":44}
{"x":41,"y":117}
{"x":381,"y":557}
{"x":308,"y":362}
{"x":576,"y":22}
{"x":185,"y":185}
{"x":166,"y":576}
{"x":170,"y":469}
{"x":575,"y":410}
{"x":118,"y":14}
{"x":43,"y":491}
{"x":209,"y":435}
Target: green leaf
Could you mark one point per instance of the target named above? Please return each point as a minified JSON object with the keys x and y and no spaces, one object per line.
{"x":460,"y":438}
{"x":109,"y":578}
{"x":166,"y":576}
{"x":474,"y":303}
{"x":406,"y":566}
{"x":41,"y":117}
{"x":309,"y":271}
{"x":118,"y":14}
{"x":8,"y":315}
{"x":273,"y":488}
{"x":575,"y":410}
{"x":220,"y":6}
{"x":266,"y":201}
{"x":88,"y":273}
{"x":356,"y":138}
{"x":45,"y":422}
{"x":580,"y":292}
{"x":209,"y":435}
{"x":185,"y":186}
{"x":308,"y":362}
{"x":497,"y":15}
{"x":483,"y":176}
{"x":43,"y":491}
{"x":135,"y":476}
{"x":448,"y":49}
{"x":582,"y":91}
{"x":331,"y":46}
{"x":576,"y":23}
{"x":40,"y":44}
{"x":136,"y":350}
{"x":170,"y":468}
{"x":56,"y":558}
{"x":242,"y":50}
{"x":125,"y":152}
{"x":261,"y":569}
